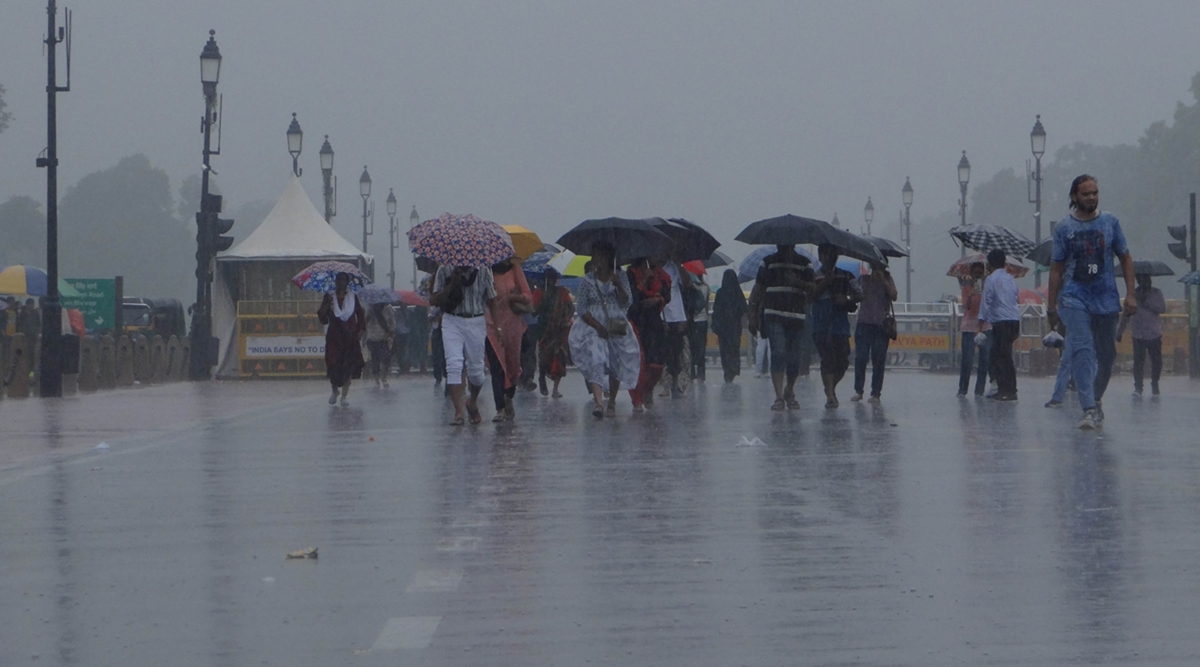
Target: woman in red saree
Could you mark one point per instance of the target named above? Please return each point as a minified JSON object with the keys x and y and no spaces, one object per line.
{"x":345,"y":321}
{"x":555,"y":313}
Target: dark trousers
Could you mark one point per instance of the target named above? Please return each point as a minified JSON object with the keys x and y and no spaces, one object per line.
{"x":698,"y":340}
{"x":731,"y":358}
{"x":439,"y":355}
{"x":870,"y":343}
{"x":1003,"y":335}
{"x":381,"y":357}
{"x":529,"y":356}
{"x":496,"y":369}
{"x":676,"y":333}
{"x":968,"y":360}
{"x":1152,"y":346}
{"x":834,"y":351}
{"x":1104,"y":337}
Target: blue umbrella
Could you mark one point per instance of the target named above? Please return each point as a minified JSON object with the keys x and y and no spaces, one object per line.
{"x":748,"y":269}
{"x":1192,"y":278}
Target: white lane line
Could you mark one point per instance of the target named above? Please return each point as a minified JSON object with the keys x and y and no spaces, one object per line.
{"x":435,"y":581}
{"x":458,"y":544}
{"x":407,"y":632}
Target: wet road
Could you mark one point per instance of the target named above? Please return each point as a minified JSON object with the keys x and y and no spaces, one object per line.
{"x":926,"y":531}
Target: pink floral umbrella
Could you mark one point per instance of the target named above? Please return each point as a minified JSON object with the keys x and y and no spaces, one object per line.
{"x":461,"y":240}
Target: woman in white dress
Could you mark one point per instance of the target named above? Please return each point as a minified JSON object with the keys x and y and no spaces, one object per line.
{"x":603,"y":345}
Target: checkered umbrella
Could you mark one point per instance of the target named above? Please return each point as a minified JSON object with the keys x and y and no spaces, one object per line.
{"x":986,"y":238}
{"x":461,"y":240}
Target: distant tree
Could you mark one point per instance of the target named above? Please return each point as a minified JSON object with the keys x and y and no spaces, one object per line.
{"x":249,"y":216}
{"x":23,"y":230}
{"x":189,"y":198}
{"x":121,"y":221}
{"x":5,"y":116}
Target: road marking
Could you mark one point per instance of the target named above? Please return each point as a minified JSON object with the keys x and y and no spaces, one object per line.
{"x":407,"y":632}
{"x":435,"y":581}
{"x":458,"y":544}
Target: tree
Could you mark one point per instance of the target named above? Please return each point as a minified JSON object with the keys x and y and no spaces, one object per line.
{"x":120,"y":221}
{"x":5,"y":116}
{"x":24,"y":232}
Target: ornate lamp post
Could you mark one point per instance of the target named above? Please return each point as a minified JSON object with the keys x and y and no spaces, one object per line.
{"x":964,"y":177}
{"x":869,"y":214}
{"x":413,"y":221}
{"x":835,"y":221}
{"x":295,"y":138}
{"x":203,"y":356}
{"x":1037,"y":142}
{"x":906,"y":194}
{"x":329,"y":189}
{"x":393,"y":235}
{"x":364,"y":189}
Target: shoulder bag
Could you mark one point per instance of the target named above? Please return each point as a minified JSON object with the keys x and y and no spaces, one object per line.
{"x":889,"y":323}
{"x":616,"y":326}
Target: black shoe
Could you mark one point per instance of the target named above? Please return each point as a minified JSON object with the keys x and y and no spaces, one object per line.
{"x":1006,"y":397}
{"x":1154,"y":389}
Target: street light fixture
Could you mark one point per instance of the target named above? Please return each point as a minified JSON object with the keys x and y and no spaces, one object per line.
{"x":906,"y":195}
{"x":1037,"y":142}
{"x":413,"y":221}
{"x":330,"y":189}
{"x":835,"y":221}
{"x":964,"y":177}
{"x":295,"y":138}
{"x":364,"y":189}
{"x":393,"y":235}
{"x":869,"y":214}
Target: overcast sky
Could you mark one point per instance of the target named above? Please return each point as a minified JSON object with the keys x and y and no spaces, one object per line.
{"x":547,"y":113}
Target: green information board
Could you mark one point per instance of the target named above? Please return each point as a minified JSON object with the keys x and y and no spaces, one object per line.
{"x":97,"y":301}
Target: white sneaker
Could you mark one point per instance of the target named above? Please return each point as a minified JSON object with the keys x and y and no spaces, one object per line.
{"x":856,"y":398}
{"x":345,"y":403}
{"x":1089,"y":421}
{"x":333,"y":397}
{"x":873,"y":399}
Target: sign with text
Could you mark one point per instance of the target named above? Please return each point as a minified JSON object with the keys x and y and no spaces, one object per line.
{"x":261,"y":347}
{"x":97,"y":301}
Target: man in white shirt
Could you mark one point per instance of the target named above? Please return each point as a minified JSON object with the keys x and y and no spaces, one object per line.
{"x":677,"y":327}
{"x":999,"y":307}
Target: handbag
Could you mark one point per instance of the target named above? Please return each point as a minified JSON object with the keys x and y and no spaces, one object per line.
{"x":889,"y":323}
{"x":616,"y":326}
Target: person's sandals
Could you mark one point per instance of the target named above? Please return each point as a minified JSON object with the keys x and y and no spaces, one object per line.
{"x":498,"y":418}
{"x":792,"y":403}
{"x":611,"y":410}
{"x":473,"y":413}
{"x":780,"y":405}
{"x":598,"y":412}
{"x":457,"y":421}
{"x":556,"y":395}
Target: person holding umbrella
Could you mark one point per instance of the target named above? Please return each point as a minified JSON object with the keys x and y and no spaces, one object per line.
{"x":603,"y":344}
{"x":381,"y":321}
{"x":782,"y":289}
{"x":1146,"y":327}
{"x":650,"y":290}
{"x":998,"y":306}
{"x":972,"y":326}
{"x":870,"y":339}
{"x":344,"y":321}
{"x":836,"y":296}
{"x":506,"y":328}
{"x":465,"y":294}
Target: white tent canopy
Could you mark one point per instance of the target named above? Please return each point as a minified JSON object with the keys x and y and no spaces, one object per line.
{"x":294,"y":230}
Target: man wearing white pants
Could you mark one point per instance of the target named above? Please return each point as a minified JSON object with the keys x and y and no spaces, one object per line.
{"x":464,"y":294}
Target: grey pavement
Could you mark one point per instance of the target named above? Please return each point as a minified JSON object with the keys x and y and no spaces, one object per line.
{"x":928,"y":530}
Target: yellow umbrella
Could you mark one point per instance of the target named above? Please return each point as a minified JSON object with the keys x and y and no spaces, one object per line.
{"x":524,"y":241}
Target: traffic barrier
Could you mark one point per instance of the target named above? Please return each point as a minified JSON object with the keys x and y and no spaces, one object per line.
{"x":89,"y":365}
{"x":142,"y":370}
{"x":158,"y":361}
{"x":19,"y":366}
{"x":175,"y":368}
{"x":106,"y":363}
{"x":185,"y":358}
{"x":124,"y":362}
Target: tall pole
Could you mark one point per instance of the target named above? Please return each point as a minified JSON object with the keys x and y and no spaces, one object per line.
{"x":413,"y":219}
{"x":326,"y":154}
{"x":1192,"y":290}
{"x":906,"y":196}
{"x":50,"y":378}
{"x":1037,"y":143}
{"x":964,"y":177}
{"x":200,"y":365}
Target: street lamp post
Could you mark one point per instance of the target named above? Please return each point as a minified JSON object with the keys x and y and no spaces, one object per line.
{"x":393,"y":235}
{"x":1037,"y":142}
{"x":869,"y":214}
{"x":50,"y":375}
{"x":964,"y":177}
{"x":201,"y":361}
{"x":835,"y":222}
{"x":413,"y":221}
{"x":295,"y":139}
{"x":906,"y":194}
{"x":329,"y":189}
{"x":364,"y":189}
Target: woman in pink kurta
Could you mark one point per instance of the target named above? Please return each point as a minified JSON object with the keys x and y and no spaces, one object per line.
{"x":504,"y":332}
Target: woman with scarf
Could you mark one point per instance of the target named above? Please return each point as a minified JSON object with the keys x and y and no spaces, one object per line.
{"x":554,"y":314}
{"x":651,"y":290}
{"x":505,"y":328}
{"x":344,"y":321}
{"x":728,"y":315}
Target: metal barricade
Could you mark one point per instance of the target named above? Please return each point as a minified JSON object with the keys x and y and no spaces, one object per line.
{"x":927,"y":335}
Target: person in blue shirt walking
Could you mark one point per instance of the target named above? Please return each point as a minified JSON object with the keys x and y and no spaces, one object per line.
{"x":999,"y":308}
{"x":836,"y":295}
{"x":1083,"y":292}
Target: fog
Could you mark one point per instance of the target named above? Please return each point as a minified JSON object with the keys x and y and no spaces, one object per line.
{"x":547,"y":113}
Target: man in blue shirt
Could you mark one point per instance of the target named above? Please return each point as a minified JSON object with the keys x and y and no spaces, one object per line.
{"x":1083,"y":292}
{"x":999,"y":308}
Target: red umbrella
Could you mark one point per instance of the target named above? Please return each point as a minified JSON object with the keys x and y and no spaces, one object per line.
{"x":411,"y":298}
{"x":1029,"y":296}
{"x":696,"y":266}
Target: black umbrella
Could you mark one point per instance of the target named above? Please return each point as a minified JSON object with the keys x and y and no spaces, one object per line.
{"x":792,"y":229}
{"x":631,"y":238}
{"x":1042,"y":253}
{"x":888,"y":247}
{"x":1151,"y":267}
{"x":692,"y":241}
{"x":718,"y":258}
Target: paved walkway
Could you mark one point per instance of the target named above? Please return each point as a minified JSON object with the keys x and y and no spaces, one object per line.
{"x":928,"y":530}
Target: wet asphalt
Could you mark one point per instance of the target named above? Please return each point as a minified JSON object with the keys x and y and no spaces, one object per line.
{"x":926,"y":530}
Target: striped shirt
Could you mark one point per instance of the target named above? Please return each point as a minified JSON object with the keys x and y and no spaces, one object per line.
{"x":785,"y":286}
{"x":475,"y":296}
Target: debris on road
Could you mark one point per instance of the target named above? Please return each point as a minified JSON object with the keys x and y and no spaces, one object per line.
{"x":310,"y":552}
